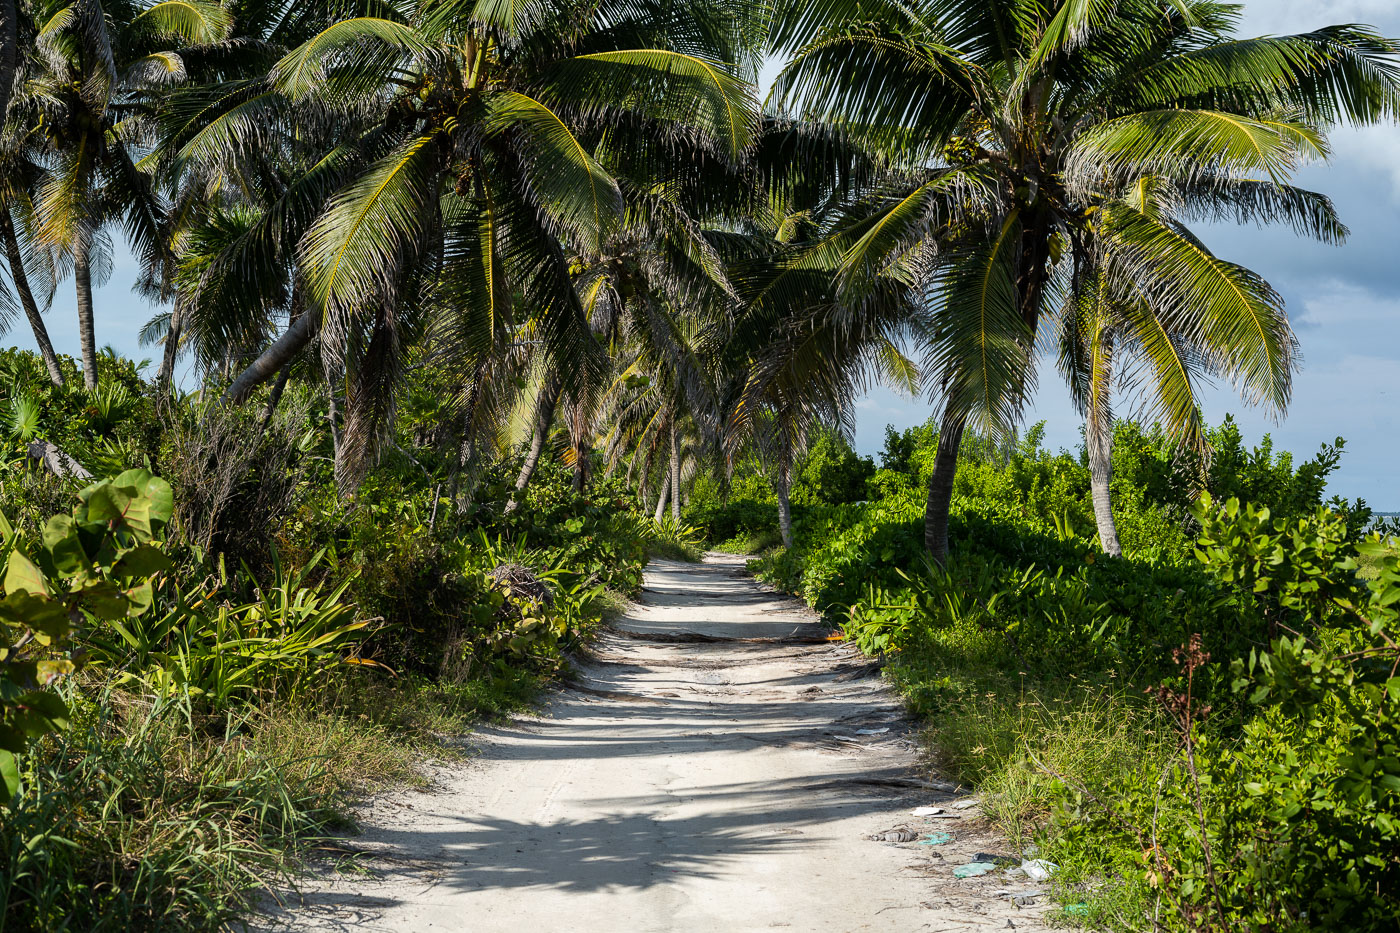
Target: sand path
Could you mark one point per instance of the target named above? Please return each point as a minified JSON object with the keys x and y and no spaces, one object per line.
{"x":688,"y":779}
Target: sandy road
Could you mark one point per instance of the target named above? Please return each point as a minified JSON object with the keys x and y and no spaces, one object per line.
{"x":686,"y":781}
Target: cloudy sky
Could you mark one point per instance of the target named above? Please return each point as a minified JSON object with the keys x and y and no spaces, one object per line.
{"x":1344,"y":301}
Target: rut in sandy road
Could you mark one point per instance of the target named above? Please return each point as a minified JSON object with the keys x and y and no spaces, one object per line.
{"x":715,"y":765}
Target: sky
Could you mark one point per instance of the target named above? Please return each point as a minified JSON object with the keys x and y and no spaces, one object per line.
{"x":1344,"y":303}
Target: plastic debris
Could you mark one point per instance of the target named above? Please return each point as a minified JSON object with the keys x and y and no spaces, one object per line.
{"x":1075,"y":908}
{"x":926,"y":811}
{"x":1037,"y":869}
{"x":898,"y":834}
{"x":965,"y":804}
{"x":973,"y":869}
{"x":936,"y":839}
{"x":880,"y":731}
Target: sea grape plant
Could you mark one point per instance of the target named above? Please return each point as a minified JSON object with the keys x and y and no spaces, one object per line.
{"x":95,"y":563}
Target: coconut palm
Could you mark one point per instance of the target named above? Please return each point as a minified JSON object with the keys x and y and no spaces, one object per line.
{"x":81,"y":109}
{"x":468,"y":171}
{"x":1113,"y":331}
{"x":1020,"y":125}
{"x":802,"y":352}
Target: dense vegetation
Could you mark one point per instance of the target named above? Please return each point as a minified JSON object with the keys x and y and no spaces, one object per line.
{"x":1198,"y":733}
{"x":464,"y":308}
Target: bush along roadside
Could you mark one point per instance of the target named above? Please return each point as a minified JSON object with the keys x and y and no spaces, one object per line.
{"x":176,"y":732}
{"x":1200,"y":735}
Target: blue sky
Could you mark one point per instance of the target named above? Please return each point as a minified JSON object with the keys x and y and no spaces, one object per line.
{"x":1344,"y":302}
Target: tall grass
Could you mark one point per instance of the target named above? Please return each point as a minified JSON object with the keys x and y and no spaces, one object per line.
{"x":131,"y":821}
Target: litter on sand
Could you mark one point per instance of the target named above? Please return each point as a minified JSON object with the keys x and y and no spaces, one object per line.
{"x":880,"y":731}
{"x":965,"y":804}
{"x":1037,"y":869}
{"x":926,"y":811}
{"x":898,"y":834}
{"x":936,"y":839}
{"x":973,"y":869}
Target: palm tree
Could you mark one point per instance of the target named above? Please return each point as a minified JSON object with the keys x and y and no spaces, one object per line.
{"x":14,"y":255}
{"x":1019,"y":126}
{"x":81,"y":108}
{"x":803,"y":351}
{"x":1113,"y":329}
{"x":469,"y":171}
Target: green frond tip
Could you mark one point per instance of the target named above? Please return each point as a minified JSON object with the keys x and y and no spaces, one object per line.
{"x":718,"y":104}
{"x":1185,"y":145}
{"x":194,"y":22}
{"x":571,"y":185}
{"x":298,"y":74}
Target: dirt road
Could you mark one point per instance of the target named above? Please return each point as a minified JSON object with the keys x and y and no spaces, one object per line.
{"x":689,"y":780}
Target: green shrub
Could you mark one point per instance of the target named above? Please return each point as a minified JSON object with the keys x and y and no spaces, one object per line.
{"x":1284,"y":816}
{"x":94,"y":565}
{"x":830,"y":473}
{"x":213,"y":653}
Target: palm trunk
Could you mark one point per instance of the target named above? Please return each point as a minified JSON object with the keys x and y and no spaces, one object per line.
{"x":333,"y":417}
{"x":172,"y":347}
{"x":82,"y":278}
{"x":26,"y":296}
{"x":9,"y":52}
{"x":675,"y":475}
{"x":544,"y":420}
{"x":278,"y":388}
{"x":282,"y":351}
{"x":1099,"y":442}
{"x":661,"y":498}
{"x":784,"y":491}
{"x":940,"y":487}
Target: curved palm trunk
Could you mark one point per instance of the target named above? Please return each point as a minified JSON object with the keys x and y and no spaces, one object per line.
{"x":940,"y":487}
{"x":582,"y":451}
{"x":784,"y":492}
{"x":675,"y":475}
{"x":281,"y":352}
{"x":275,"y":397}
{"x":544,"y":420}
{"x":26,"y":297}
{"x":661,"y":498}
{"x":82,"y":278}
{"x":1099,"y":442}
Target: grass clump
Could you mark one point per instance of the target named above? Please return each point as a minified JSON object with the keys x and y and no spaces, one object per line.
{"x":146,"y":816}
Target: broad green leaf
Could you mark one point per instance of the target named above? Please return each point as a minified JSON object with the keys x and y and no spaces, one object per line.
{"x":9,"y":774}
{"x":42,"y":614}
{"x":143,"y":561}
{"x":65,"y":546}
{"x":107,"y":502}
{"x":21,"y":576}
